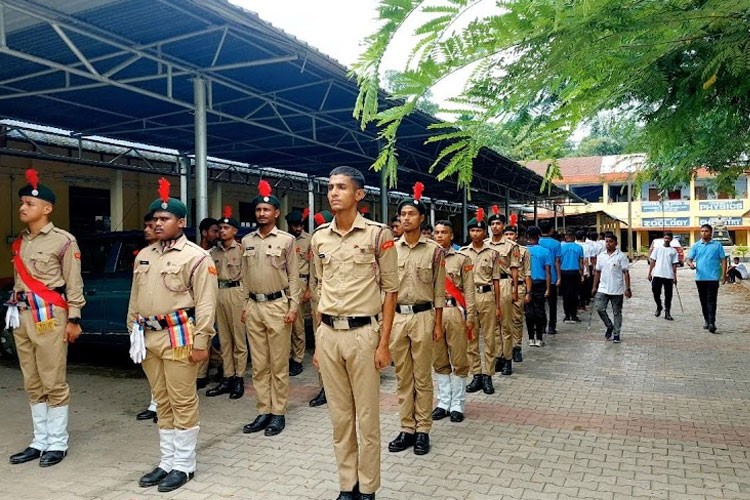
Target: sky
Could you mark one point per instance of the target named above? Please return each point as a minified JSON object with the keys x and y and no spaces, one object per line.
{"x":338,"y":27}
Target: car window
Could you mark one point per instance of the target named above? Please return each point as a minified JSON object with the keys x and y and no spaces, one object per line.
{"x":126,"y":257}
{"x":94,"y":256}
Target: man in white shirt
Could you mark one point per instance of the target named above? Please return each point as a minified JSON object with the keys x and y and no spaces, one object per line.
{"x":662,"y":272}
{"x":611,"y":283}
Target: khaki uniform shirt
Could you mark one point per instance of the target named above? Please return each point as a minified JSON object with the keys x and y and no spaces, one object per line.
{"x":302,"y":247}
{"x":486,"y":264}
{"x":353,"y":268}
{"x":508,"y":254}
{"x":421,"y":272}
{"x":269,"y":264}
{"x":182,"y":276}
{"x":525,"y":260}
{"x":460,"y":270}
{"x":228,"y":261}
{"x":53,"y":257}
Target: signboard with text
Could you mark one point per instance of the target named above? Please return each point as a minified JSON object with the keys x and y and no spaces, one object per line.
{"x":665,"y":222}
{"x":721,"y":205}
{"x":727,"y":221}
{"x":669,"y":206}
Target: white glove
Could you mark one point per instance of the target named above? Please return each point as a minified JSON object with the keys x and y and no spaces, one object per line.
{"x":137,"y":343}
{"x":12,"y":319}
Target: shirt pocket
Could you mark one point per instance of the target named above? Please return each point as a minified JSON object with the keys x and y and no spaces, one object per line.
{"x":233,"y":268}
{"x":424,"y":274}
{"x":363,"y":265}
{"x":328,"y":268}
{"x":140,"y":272}
{"x":172,"y":277}
{"x":46,"y":265}
{"x":276,"y":257}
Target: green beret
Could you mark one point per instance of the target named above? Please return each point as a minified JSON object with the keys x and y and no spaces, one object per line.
{"x":510,"y":229}
{"x":322,"y":217}
{"x":418,"y":204}
{"x":172,"y":205}
{"x":475,"y":223}
{"x":231,"y":221}
{"x":294,"y":217}
{"x":270,"y":199}
{"x":42,"y":192}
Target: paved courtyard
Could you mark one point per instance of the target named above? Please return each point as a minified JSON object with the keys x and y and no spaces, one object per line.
{"x":665,"y":414}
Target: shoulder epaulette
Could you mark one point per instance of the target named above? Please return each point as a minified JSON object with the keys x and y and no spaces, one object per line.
{"x":70,"y":237}
{"x":322,"y":226}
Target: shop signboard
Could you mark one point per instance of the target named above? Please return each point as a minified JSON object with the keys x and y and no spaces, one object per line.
{"x":727,"y":221}
{"x":721,"y":205}
{"x":669,"y":206}
{"x":665,"y":222}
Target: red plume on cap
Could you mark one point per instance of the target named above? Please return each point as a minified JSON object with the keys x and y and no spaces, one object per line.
{"x":164,"y":189}
{"x":32,"y":177}
{"x":418,"y":189}
{"x":227,"y":211}
{"x":495,"y":210}
{"x":264,"y":188}
{"x":319,"y":219}
{"x":513,"y":219}
{"x":305,"y":213}
{"x":364,"y":210}
{"x":480,"y":214}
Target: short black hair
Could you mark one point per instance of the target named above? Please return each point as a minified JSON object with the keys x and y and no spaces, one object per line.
{"x":355,"y":175}
{"x":426,"y":227}
{"x":580,"y":234}
{"x":545,"y":226}
{"x":612,"y":236}
{"x":570,"y":232}
{"x":206,"y":223}
{"x":395,"y":218}
{"x":602,"y":234}
{"x":444,"y":222}
{"x":710,"y":228}
{"x":149,"y":216}
{"x":592,"y":235}
{"x":533,"y":232}
{"x":668,"y":233}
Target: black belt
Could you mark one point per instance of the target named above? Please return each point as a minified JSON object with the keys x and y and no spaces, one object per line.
{"x":413,"y":309}
{"x":228,"y":284}
{"x":484,"y":288}
{"x":345,"y":322}
{"x":266,"y":297}
{"x":521,"y":282}
{"x":304,"y":276}
{"x":504,"y":276}
{"x":24,"y":296}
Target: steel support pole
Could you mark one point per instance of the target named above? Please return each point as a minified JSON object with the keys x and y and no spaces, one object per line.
{"x":507,"y":205}
{"x":630,"y":218}
{"x":536,"y":213}
{"x":465,"y":215}
{"x":184,"y":162}
{"x":432,"y":213}
{"x":201,"y":146}
{"x":383,"y":197}
{"x":311,"y":204}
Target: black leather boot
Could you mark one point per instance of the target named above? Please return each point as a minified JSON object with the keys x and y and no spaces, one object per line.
{"x":403,"y":441}
{"x":224,"y":387}
{"x":499,"y":363}
{"x":320,"y":399}
{"x":152,"y":478}
{"x":26,"y":455}
{"x":422,"y":443}
{"x":257,"y":425}
{"x":518,"y":354}
{"x":507,"y":368}
{"x":173,"y":480}
{"x":238,"y":388}
{"x":487,"y":386}
{"x":50,"y":458}
{"x":475,"y":385}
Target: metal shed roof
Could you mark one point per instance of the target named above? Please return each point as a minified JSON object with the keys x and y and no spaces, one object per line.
{"x":124,"y":69}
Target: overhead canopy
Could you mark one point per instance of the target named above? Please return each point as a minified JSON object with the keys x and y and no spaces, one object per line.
{"x":125,"y":69}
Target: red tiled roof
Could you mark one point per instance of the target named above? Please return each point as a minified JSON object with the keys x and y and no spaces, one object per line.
{"x":588,"y":167}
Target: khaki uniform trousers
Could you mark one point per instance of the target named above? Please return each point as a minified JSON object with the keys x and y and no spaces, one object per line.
{"x":518,"y":316}
{"x":450,"y":351}
{"x":270,"y":339}
{"x":297,"y":352}
{"x":172,"y":383}
{"x":232,"y":333}
{"x":43,"y":359}
{"x":352,"y":384}
{"x":487,"y":323}
{"x":504,"y":330}
{"x":411,"y":348}
{"x":214,"y":359}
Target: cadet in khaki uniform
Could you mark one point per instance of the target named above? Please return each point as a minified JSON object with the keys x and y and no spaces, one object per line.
{"x":46,"y":311}
{"x":459,"y":315}
{"x":355,"y":262}
{"x":524,"y":285}
{"x":320,"y":218}
{"x":270,"y":276}
{"x":509,"y":264}
{"x":171,"y":315}
{"x":209,"y":231}
{"x":227,"y":257}
{"x":417,"y":326}
{"x":486,"y":285}
{"x":295,"y":223}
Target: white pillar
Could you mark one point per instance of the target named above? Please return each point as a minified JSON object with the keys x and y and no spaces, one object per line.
{"x":116,"y":212}
{"x":311,"y":204}
{"x":201,"y":152}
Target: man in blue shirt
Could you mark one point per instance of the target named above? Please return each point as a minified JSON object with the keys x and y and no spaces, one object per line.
{"x":554,"y":247}
{"x":708,"y":259}
{"x":541,"y":265}
{"x":571,"y":275}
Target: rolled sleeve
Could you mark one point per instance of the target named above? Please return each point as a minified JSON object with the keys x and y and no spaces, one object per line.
{"x":71,"y":269}
{"x":206,"y":290}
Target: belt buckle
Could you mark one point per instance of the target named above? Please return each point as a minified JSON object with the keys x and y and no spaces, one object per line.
{"x":261,"y":297}
{"x":406,"y":309}
{"x":153,"y":324}
{"x":340,"y":323}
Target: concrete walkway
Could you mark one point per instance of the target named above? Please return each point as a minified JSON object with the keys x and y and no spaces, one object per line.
{"x":665,"y":414}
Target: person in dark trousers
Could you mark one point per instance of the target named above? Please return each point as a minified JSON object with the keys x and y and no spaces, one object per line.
{"x":541,"y":274}
{"x":571,"y":275}
{"x":554,"y":247}
{"x":611,"y":285}
{"x":708,"y":259}
{"x":662,"y":273}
